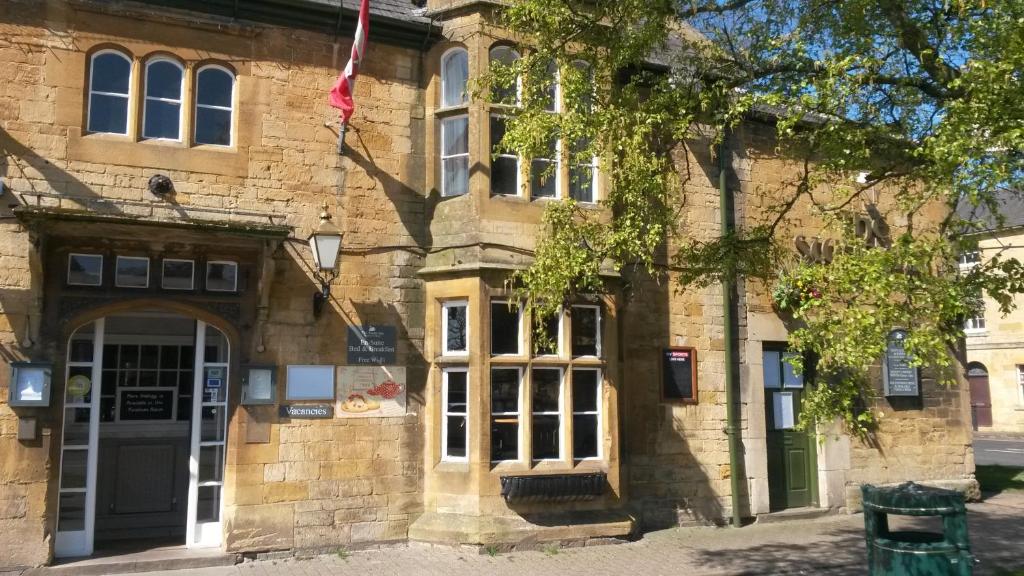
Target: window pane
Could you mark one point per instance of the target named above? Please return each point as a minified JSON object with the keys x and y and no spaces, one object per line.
{"x":456,"y":176}
{"x":149,"y":356}
{"x":790,"y":379}
{"x":455,"y":73}
{"x":73,"y":468}
{"x":108,"y":114}
{"x":72,"y":512}
{"x":505,"y":438}
{"x":551,"y":89}
{"x":81,"y":348}
{"x":456,"y":446}
{"x":213,"y":126}
{"x":456,"y":333}
{"x":456,"y":140}
{"x":221,"y":276}
{"x":546,"y":437}
{"x":504,"y":329}
{"x":211,"y":463}
{"x":581,"y":183}
{"x":543,"y":179}
{"x":585,"y":330}
{"x":547,"y":383}
{"x":212,"y":426}
{"x":547,"y":343}
{"x":584,"y":391}
{"x":85,"y":269}
{"x":110,"y":73}
{"x":504,"y":390}
{"x":162,"y":120}
{"x":772,"y":375}
{"x":163,"y":80}
{"x":456,"y":392}
{"x":132,"y":272}
{"x":178,"y":274}
{"x":76,"y":426}
{"x":505,"y":94}
{"x":584,"y":436}
{"x":208,"y":504}
{"x":214,"y":88}
{"x":169,"y":357}
{"x":505,"y":168}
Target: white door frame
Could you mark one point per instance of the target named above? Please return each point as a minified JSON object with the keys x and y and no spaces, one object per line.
{"x":81,"y":542}
{"x":205,"y":534}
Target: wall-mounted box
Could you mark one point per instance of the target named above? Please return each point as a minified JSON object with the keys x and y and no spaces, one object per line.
{"x":30,"y":384}
{"x":259,"y":384}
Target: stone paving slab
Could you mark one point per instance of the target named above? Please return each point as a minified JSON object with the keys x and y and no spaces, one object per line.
{"x":832,"y":546}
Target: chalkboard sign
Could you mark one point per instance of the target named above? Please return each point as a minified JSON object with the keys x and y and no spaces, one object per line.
{"x":679,"y":375}
{"x":901,"y":379}
{"x":373,"y":344}
{"x":146,"y":404}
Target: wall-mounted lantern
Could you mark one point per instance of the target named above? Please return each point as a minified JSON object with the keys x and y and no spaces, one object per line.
{"x":259,"y":384}
{"x":325,"y":242}
{"x":30,"y":384}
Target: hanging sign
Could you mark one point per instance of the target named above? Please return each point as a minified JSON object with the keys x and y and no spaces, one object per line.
{"x":901,"y":379}
{"x":371,"y":345}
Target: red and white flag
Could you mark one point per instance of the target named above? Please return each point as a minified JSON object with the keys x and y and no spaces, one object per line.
{"x":342,"y":96}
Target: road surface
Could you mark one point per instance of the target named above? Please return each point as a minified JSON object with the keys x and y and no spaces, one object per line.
{"x":1002,"y":452}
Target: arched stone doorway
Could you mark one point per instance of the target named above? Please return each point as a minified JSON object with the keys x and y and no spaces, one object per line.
{"x":145,"y":413}
{"x":981,"y":398}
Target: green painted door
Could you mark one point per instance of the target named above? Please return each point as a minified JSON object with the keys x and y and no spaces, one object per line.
{"x":791,"y":458}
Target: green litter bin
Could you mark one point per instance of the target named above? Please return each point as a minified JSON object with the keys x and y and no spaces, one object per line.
{"x":910,"y":552}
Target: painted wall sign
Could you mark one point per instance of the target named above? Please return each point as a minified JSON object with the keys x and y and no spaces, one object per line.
{"x":306,"y":411}
{"x":371,"y":391}
{"x":679,"y":374}
{"x":371,"y":345}
{"x":901,"y":379}
{"x":146,"y":403}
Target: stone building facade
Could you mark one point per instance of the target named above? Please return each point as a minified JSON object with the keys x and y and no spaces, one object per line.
{"x":164,"y":163}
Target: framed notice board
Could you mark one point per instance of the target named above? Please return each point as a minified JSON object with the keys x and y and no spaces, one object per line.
{"x":679,"y":375}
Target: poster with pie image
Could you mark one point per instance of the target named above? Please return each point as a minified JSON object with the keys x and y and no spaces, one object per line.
{"x":370,"y":391}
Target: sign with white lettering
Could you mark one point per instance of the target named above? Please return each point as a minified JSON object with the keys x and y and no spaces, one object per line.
{"x":901,"y":379}
{"x":371,"y":391}
{"x":371,"y":345}
{"x":306,"y":411}
{"x":146,"y":404}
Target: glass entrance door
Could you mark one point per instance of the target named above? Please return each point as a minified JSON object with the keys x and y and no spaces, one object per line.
{"x":209,"y":431}
{"x":76,"y":511}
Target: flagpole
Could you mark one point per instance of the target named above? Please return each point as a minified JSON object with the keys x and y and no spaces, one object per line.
{"x":342,"y":128}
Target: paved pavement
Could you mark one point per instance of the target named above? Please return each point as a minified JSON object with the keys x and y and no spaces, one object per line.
{"x":1005,"y":452}
{"x":832,"y":545}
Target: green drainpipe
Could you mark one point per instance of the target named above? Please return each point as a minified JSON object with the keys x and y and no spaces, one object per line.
{"x":732,"y":392}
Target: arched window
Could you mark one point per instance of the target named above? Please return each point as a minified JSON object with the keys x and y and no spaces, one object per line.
{"x":215,"y":88}
{"x":454,"y":75}
{"x":582,"y":161}
{"x":545,"y":171}
{"x":110,"y":74}
{"x":161,"y":113}
{"x":454,"y":128}
{"x":507,"y":94}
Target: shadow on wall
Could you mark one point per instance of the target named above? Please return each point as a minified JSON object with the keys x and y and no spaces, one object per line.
{"x":19,"y":161}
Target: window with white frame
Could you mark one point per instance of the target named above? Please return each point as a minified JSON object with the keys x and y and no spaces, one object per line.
{"x":586,"y":413}
{"x":975,"y":320}
{"x":545,"y":170}
{"x":178,"y":274}
{"x":506,"y":328}
{"x":582,"y":160}
{"x":215,"y":90}
{"x":454,"y":138}
{"x":506,"y":392}
{"x":509,"y":94}
{"x":970,"y":258}
{"x":131,"y":272}
{"x":553,"y":395}
{"x":586,"y":330}
{"x":546,"y":413}
{"x":110,"y":79}
{"x":455,"y":414}
{"x":222,"y":276}
{"x":504,"y":164}
{"x":161,"y":111}
{"x":85,"y":269}
{"x":455,"y":328}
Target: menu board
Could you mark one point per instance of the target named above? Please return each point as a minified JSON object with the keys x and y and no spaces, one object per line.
{"x":901,"y":379}
{"x":146,"y":404}
{"x":679,"y":374}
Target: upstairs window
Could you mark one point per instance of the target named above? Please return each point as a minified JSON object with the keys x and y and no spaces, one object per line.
{"x":505,"y":94}
{"x":545,"y":171}
{"x":215,"y":87}
{"x":161,"y":112}
{"x":454,"y":128}
{"x":454,"y":328}
{"x":110,"y":76}
{"x":504,"y":165}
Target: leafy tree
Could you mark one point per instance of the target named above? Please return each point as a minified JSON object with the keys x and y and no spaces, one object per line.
{"x":919,"y":99}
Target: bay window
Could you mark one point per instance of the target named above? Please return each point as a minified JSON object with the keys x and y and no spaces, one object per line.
{"x":506,"y":391}
{"x":586,"y":413}
{"x":454,"y":138}
{"x":546,"y":409}
{"x":454,"y":328}
{"x":455,"y":416}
